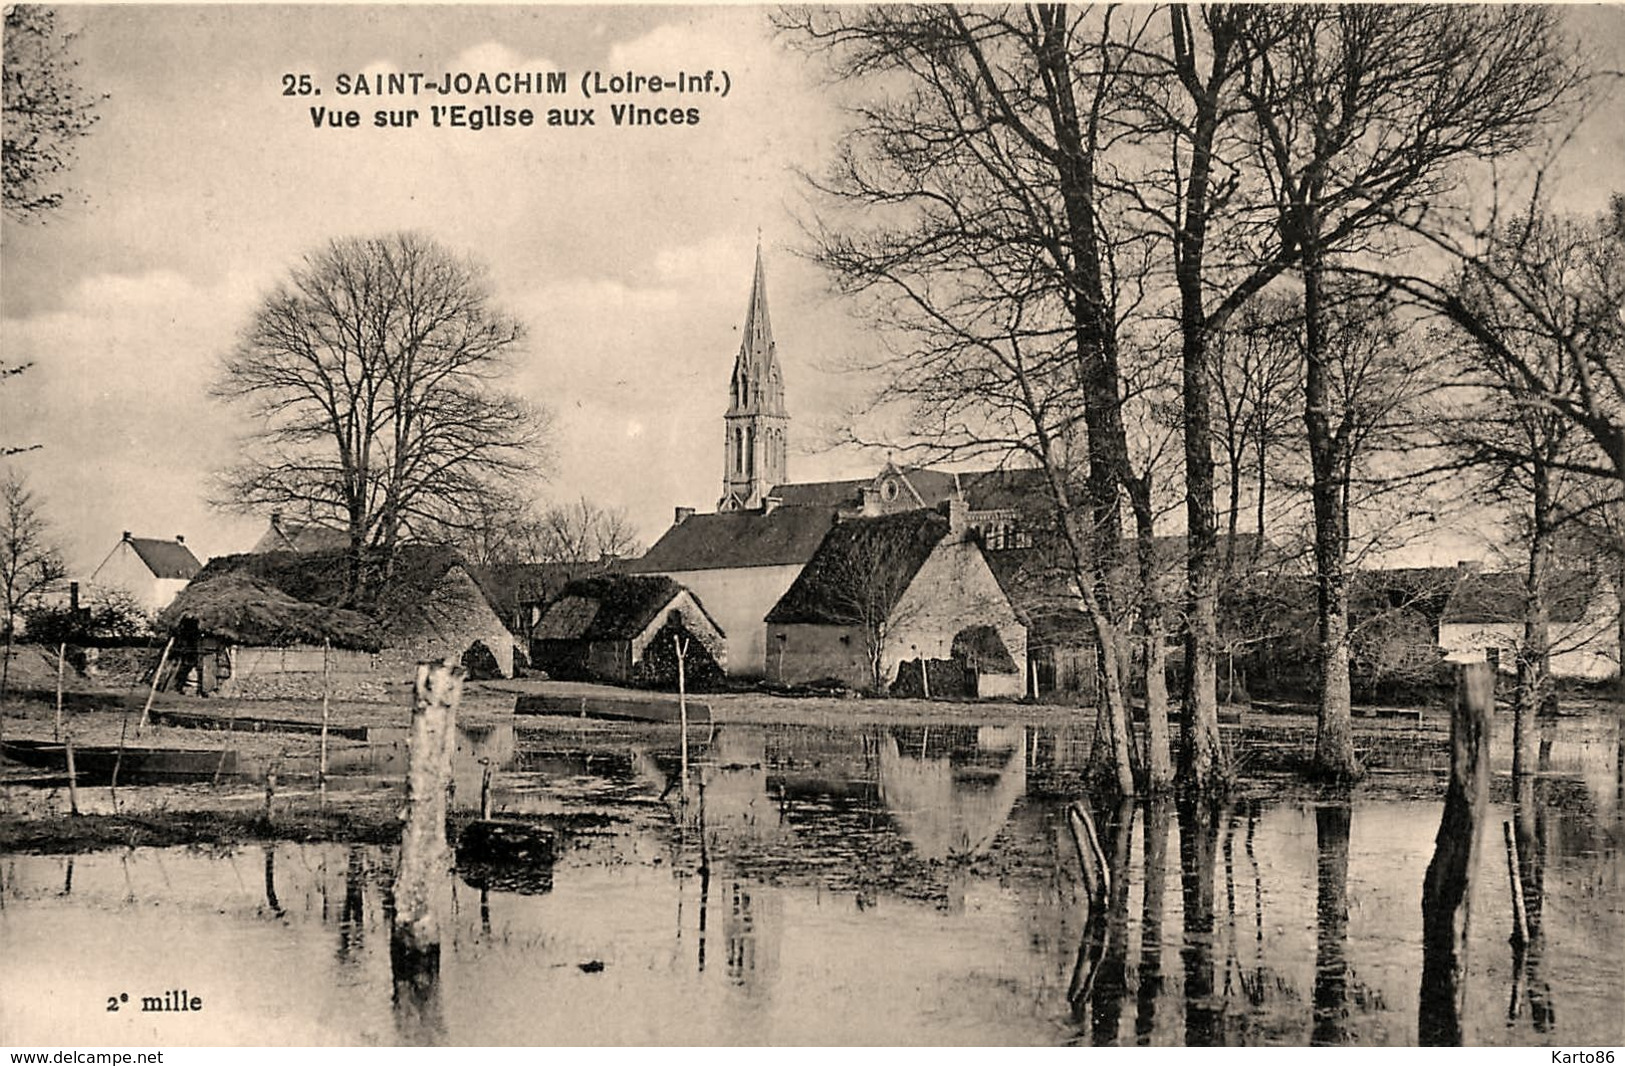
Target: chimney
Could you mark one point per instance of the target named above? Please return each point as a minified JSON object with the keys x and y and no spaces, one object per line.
{"x":957,"y":514}
{"x":871,"y":501}
{"x":180,"y":538}
{"x":771,"y":504}
{"x":683,"y":514}
{"x":126,"y":534}
{"x":276,"y":519}
{"x":73,"y":596}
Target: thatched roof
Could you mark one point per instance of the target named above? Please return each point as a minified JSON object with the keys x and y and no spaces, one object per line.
{"x":313,"y":587}
{"x":246,"y":610}
{"x":860,"y":570}
{"x":611,"y":607}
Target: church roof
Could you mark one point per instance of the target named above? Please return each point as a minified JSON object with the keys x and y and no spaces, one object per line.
{"x":732,"y":539}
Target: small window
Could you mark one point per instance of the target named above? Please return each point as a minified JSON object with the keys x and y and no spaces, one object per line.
{"x":888,"y":491}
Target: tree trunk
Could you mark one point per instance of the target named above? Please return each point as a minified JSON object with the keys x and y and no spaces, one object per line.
{"x":1334,"y":732}
{"x":1159,"y":762}
{"x":1201,"y":758}
{"x":1534,"y":658}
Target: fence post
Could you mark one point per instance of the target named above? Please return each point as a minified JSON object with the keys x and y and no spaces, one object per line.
{"x":1448,"y":883}
{"x":425,"y":858}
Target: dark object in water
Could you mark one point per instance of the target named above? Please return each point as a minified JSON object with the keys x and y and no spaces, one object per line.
{"x":591,"y":966}
{"x":94,"y":765}
{"x":663,"y":710}
{"x":508,"y":855}
{"x":241,"y":724}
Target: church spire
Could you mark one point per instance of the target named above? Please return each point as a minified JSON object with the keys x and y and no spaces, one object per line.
{"x":756,"y":420}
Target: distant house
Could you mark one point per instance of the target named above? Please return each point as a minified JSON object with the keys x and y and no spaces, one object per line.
{"x":1484,"y":619}
{"x":151,"y":571}
{"x":287,"y":535}
{"x":428,"y":606}
{"x":600,"y":627}
{"x":884,"y":590}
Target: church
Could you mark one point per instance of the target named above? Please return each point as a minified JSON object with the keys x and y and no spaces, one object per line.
{"x":744,"y":559}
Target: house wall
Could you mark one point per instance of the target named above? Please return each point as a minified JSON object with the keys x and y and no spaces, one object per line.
{"x":739,"y":600}
{"x":124,"y":570}
{"x":804,"y":653}
{"x":610,"y":660}
{"x":695,"y":621}
{"x":1583,"y":650}
{"x":296,"y":673}
{"x":953,"y":590}
{"x":455,"y":615}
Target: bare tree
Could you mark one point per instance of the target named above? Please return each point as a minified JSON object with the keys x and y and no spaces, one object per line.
{"x":30,"y":564}
{"x":45,"y":113}
{"x":1256,"y":367}
{"x":582,"y":532}
{"x":979,"y":234}
{"x":1363,"y":113}
{"x":370,"y":372}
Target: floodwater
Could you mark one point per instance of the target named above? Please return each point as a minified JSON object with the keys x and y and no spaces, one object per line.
{"x":880,"y":885}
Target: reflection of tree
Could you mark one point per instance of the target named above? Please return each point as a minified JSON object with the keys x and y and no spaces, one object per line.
{"x":1332,"y":913}
{"x":271,"y":901}
{"x":352,"y":914}
{"x":1528,"y":956}
{"x":1198,"y":852}
{"x":1155,"y":845}
{"x":1111,"y":980}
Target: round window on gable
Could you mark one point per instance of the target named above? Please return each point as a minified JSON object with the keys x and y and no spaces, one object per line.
{"x":888,"y":491}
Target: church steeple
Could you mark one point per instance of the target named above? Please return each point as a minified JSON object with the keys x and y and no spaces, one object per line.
{"x":756,"y":421}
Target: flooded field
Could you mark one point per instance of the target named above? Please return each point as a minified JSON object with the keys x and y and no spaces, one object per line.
{"x":911,"y":885}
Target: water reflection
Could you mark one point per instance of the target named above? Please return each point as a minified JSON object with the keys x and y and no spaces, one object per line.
{"x":907,"y":885}
{"x":1332,"y":919}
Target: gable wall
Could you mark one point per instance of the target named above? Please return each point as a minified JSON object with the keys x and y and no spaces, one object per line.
{"x":954,"y":589}
{"x":739,"y":599}
{"x":455,"y":616}
{"x":694,"y":619}
{"x":124,"y":570}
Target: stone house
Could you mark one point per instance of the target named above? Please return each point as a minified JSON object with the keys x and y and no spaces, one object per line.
{"x":883,"y":590}
{"x":150,"y":571}
{"x":599,"y":628}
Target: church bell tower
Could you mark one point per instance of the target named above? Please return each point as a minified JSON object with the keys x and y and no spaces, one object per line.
{"x":756,"y":421}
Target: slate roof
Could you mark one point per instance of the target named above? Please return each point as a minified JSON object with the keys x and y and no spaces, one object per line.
{"x":1499,"y":598}
{"x":868,"y":559}
{"x":730,"y":539}
{"x":166,"y":558}
{"x":609,"y":607}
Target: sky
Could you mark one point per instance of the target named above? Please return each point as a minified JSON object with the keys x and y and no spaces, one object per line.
{"x":627,"y":252}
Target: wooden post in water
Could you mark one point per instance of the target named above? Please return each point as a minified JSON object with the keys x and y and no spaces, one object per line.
{"x":61,"y":660}
{"x":1447,"y":886}
{"x":73,"y":779}
{"x":682,"y":705}
{"x":1520,"y":918}
{"x":157,"y":675}
{"x":321,"y":770}
{"x":485,"y":790}
{"x":425,"y":858}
